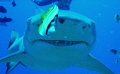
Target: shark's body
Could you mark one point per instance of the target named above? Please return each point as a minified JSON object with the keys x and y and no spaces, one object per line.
{"x":69,"y":45}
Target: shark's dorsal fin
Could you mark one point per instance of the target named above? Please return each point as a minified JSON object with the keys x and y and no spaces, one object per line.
{"x":93,"y":64}
{"x":38,"y":10}
{"x":14,"y":36}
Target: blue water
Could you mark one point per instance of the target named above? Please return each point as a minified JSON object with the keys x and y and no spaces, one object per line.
{"x":101,"y":11}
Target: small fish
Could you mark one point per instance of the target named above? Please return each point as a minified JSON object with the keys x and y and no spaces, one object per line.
{"x":48,"y":21}
{"x":2,"y":9}
{"x":13,"y":3}
{"x":117,"y":17}
{"x":4,"y":20}
{"x":114,"y":51}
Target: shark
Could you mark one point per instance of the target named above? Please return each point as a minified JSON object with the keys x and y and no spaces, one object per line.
{"x":69,"y":44}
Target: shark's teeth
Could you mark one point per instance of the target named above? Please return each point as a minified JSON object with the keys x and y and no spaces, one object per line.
{"x":62,"y":42}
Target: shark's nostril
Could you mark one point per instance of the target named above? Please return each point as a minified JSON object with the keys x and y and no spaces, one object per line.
{"x":61,"y":20}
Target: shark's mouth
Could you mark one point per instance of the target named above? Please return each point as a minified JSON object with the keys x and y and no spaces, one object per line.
{"x":63,"y":42}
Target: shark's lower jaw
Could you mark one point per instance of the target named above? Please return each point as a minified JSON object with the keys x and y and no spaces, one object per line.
{"x":62,"y":42}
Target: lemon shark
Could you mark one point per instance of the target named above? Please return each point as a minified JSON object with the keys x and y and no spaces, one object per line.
{"x":69,"y":45}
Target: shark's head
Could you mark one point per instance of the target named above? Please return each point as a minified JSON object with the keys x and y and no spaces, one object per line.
{"x":74,"y":34}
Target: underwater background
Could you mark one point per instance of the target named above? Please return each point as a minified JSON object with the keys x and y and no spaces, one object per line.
{"x":101,"y":11}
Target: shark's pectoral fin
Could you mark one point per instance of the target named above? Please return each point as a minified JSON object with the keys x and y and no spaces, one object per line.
{"x":15,"y":57}
{"x":93,"y":64}
{"x":11,"y":66}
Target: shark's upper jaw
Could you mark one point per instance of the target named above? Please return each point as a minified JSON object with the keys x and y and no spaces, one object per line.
{"x":62,"y":42}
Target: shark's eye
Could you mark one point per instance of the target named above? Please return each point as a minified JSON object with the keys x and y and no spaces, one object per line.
{"x":83,"y":27}
{"x":61,"y":20}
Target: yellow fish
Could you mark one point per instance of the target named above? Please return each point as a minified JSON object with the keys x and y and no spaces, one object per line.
{"x":48,"y":21}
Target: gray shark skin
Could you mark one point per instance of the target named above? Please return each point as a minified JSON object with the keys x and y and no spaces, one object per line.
{"x":70,"y":45}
